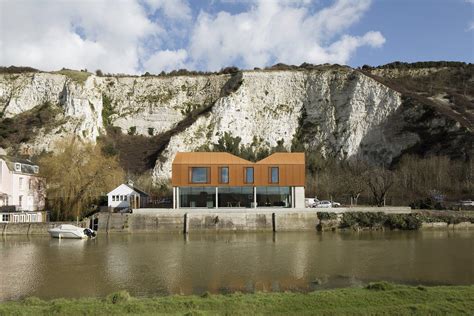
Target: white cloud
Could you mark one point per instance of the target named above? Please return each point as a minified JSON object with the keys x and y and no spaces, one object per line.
{"x":131,"y":36}
{"x":166,"y":60}
{"x":285,"y":31}
{"x":104,"y":34}
{"x":471,"y":26}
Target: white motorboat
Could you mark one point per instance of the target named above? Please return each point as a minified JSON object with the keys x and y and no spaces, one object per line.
{"x":71,"y":231}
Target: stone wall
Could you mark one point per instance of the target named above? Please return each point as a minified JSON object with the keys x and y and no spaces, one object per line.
{"x":33,"y":228}
{"x":179,"y":221}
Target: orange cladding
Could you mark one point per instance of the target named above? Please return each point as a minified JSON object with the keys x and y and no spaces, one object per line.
{"x":291,"y":169}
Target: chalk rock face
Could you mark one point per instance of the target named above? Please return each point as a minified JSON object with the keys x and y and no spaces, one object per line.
{"x":337,"y":111}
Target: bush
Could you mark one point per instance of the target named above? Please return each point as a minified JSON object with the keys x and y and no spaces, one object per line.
{"x":132,"y":130}
{"x":363,"y":219}
{"x":31,"y":301}
{"x":99,"y":73}
{"x":323,"y":216}
{"x":118,"y":297}
{"x":380,"y":286}
{"x":404,"y":221}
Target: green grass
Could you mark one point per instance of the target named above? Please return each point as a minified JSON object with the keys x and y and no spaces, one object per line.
{"x":379,"y":298}
{"x":75,"y":75}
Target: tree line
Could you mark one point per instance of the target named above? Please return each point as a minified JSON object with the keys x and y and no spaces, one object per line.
{"x":419,"y":182}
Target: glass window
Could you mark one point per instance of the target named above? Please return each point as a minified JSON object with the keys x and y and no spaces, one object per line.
{"x":273,"y":196}
{"x":113,"y":197}
{"x":224,"y":175}
{"x":203,"y":197}
{"x":235,"y":196}
{"x":121,"y":198}
{"x":249,"y":175}
{"x":274,"y":175}
{"x":124,"y":197}
{"x":199,"y":175}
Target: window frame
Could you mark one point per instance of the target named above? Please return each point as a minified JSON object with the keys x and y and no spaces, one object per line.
{"x":220,"y":174}
{"x":208,"y":174}
{"x":245,"y":175}
{"x":270,"y":175}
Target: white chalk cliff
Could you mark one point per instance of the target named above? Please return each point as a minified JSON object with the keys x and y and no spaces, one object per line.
{"x":336,"y":110}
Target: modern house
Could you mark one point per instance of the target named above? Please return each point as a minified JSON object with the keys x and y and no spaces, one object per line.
{"x":126,"y":196}
{"x":22,"y":191}
{"x":222,"y":180}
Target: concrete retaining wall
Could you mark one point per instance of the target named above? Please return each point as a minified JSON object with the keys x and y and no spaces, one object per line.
{"x":296,"y":221}
{"x":229,"y":222}
{"x":32,"y":228}
{"x":179,"y":221}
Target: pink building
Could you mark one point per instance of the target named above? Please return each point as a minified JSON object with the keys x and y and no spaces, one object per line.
{"x":20,"y":186}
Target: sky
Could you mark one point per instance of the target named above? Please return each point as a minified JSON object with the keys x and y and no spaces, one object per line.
{"x":135,"y":36}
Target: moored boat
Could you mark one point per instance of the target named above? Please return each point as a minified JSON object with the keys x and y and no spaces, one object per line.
{"x":71,"y":231}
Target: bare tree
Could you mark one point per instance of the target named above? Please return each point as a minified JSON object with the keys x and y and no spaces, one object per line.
{"x":379,"y":181}
{"x":353,"y":180}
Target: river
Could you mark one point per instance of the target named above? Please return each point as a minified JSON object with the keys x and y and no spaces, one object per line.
{"x":161,"y":264}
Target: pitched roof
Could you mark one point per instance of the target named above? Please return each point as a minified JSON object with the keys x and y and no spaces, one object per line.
{"x":209,"y":158}
{"x":134,"y":188}
{"x":220,"y":158}
{"x":283,"y":159}
{"x":27,"y":166}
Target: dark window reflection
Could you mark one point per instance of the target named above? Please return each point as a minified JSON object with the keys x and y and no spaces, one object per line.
{"x":273,"y":196}
{"x":197,"y":197}
{"x":236,"y":197}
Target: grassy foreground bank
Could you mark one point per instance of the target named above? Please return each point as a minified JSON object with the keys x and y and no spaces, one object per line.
{"x":376,"y":299}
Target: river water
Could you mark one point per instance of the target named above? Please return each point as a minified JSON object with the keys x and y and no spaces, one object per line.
{"x":160,"y":264}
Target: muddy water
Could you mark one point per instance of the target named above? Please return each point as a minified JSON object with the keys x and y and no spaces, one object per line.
{"x":159,"y":264}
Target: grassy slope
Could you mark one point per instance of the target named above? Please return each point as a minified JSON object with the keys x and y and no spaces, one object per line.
{"x":382,"y":299}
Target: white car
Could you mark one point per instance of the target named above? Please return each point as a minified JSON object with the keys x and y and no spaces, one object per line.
{"x":327,"y":204}
{"x":324,"y":204}
{"x":466,"y":203}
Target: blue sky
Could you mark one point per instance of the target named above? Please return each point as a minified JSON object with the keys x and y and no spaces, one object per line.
{"x":418,"y":30}
{"x":134,"y":36}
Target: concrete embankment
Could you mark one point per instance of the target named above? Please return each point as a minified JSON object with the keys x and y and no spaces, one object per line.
{"x":245,"y":220}
{"x":251,"y":220}
{"x":32,"y":228}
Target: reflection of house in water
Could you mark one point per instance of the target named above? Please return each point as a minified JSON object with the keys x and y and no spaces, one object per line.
{"x":22,"y":191}
{"x":22,"y":259}
{"x":126,"y":196}
{"x":222,"y":180}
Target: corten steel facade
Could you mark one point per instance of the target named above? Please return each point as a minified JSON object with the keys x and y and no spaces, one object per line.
{"x":222,"y":180}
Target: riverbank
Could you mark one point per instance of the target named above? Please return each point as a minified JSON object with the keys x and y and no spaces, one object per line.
{"x":266,"y":220}
{"x":375,"y":299}
{"x":281,"y":220}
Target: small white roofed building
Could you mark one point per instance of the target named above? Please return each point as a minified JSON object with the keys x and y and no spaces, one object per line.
{"x":126,"y":196}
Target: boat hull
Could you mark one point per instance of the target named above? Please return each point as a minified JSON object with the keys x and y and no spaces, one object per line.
{"x":68,"y":231}
{"x":69,"y":235}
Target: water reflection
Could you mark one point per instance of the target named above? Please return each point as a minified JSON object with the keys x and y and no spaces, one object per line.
{"x":149,"y":264}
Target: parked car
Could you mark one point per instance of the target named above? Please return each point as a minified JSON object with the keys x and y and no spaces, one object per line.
{"x":466,"y":203}
{"x":327,"y":204}
{"x":324,"y":204}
